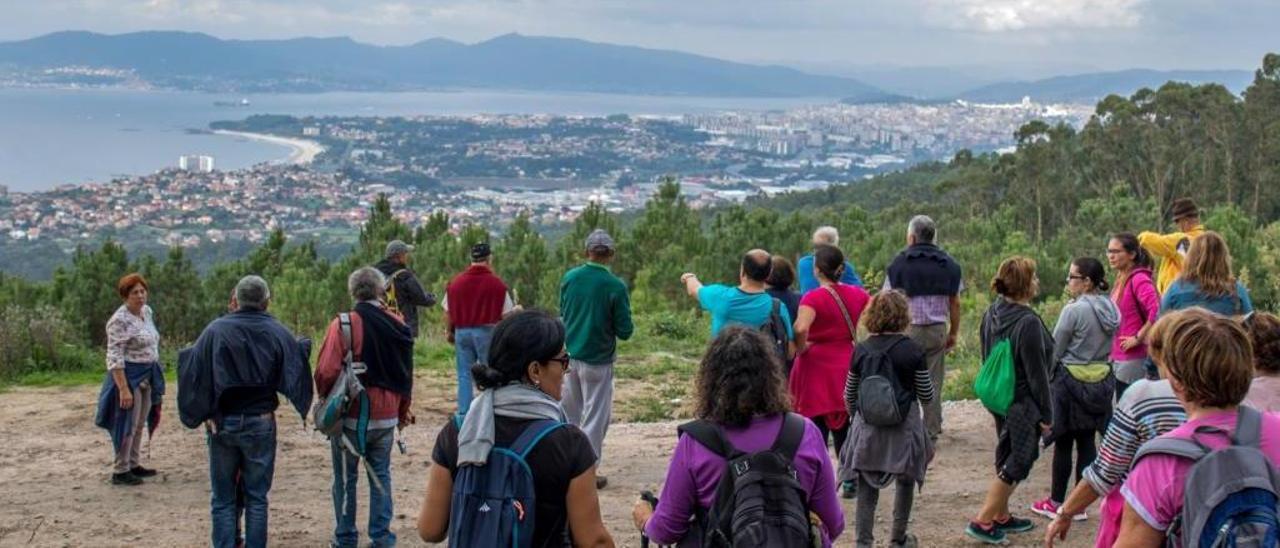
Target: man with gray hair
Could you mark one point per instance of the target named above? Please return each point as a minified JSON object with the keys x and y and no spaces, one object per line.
{"x":381,"y":341}
{"x":228,"y":381}
{"x":824,"y":235}
{"x":932,"y":281}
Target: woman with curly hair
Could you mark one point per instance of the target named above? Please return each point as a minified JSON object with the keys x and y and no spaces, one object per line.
{"x":741,"y":393}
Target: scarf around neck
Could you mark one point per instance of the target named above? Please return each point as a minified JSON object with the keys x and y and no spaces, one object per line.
{"x":516,"y":401}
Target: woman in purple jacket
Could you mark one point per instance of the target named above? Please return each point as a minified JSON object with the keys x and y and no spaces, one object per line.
{"x":740,"y":388}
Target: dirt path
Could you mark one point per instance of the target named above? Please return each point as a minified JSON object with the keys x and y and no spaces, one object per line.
{"x":54,"y":467}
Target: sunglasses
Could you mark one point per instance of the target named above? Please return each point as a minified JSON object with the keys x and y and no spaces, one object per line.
{"x":562,"y":360}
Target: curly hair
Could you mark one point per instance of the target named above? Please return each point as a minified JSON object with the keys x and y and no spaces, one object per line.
{"x":889,"y":312}
{"x":126,"y":283}
{"x":1264,"y":331}
{"x":740,"y":377}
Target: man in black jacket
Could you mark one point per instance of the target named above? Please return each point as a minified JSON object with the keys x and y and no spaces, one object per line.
{"x":405,"y":294}
{"x":228,"y":381}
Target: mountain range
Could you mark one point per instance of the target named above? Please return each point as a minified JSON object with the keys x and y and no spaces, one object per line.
{"x":195,"y":61}
{"x":183,"y":60}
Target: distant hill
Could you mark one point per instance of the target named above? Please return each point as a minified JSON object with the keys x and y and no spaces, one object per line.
{"x":182,"y":60}
{"x":1092,"y":87}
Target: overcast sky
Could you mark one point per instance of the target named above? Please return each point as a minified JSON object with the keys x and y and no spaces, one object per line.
{"x":1048,"y":35}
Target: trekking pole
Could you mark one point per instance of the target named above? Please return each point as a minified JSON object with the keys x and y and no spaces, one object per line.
{"x":648,"y":497}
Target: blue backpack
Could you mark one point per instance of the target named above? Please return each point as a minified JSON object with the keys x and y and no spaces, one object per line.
{"x":493,"y":505}
{"x":1230,"y":499}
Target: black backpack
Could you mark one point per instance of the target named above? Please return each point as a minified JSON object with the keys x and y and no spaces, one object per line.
{"x":882,"y":400}
{"x":776,"y":330}
{"x":759,"y":501}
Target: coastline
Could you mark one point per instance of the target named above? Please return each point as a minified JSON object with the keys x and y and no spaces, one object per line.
{"x":304,"y":150}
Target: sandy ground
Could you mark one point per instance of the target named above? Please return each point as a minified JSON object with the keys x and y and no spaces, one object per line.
{"x":304,"y":150}
{"x":54,"y":489}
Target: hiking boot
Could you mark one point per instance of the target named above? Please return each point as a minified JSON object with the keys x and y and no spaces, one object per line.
{"x":990,"y":534}
{"x":1013,"y":524}
{"x":601,"y":482}
{"x":848,"y":489}
{"x":126,"y":478}
{"x":142,"y":472}
{"x":908,"y":541}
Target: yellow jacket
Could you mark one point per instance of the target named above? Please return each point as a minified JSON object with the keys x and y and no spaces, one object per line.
{"x":1171,"y":249}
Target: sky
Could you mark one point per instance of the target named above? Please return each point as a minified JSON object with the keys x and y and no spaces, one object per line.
{"x":1018,"y":36}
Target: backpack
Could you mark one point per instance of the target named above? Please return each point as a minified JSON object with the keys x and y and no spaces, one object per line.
{"x":776,"y":330}
{"x":995,"y":380}
{"x":1230,"y":496}
{"x":329,"y":414}
{"x":882,"y":401}
{"x":393,"y":304}
{"x":759,"y":501}
{"x":493,"y":505}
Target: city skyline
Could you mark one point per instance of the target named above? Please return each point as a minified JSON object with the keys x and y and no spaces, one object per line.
{"x":998,"y":38}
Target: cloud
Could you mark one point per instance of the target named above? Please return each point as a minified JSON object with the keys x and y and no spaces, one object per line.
{"x":1019,"y":15}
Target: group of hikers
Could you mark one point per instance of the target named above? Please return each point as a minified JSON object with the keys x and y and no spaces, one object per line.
{"x":1174,"y":371}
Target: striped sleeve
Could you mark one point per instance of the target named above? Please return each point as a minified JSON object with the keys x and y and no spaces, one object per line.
{"x":1131,"y":426}
{"x":851,"y":391}
{"x":924,"y":386}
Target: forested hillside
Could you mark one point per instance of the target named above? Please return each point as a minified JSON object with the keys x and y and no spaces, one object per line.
{"x":1057,"y":197}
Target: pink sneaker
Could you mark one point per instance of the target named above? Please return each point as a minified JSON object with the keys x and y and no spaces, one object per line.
{"x":1049,"y":509}
{"x":1046,"y":508}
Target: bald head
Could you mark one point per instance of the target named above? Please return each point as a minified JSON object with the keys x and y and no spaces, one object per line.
{"x":756,"y":265}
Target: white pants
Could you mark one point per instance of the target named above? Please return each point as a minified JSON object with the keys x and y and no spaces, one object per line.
{"x":588,"y":402}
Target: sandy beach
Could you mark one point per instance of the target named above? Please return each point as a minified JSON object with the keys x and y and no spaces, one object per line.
{"x":304,"y":151}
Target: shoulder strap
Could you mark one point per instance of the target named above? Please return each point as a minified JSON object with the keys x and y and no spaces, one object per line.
{"x":789,"y":436}
{"x":710,"y":436}
{"x":344,"y":324}
{"x":1248,"y":427}
{"x":1177,"y":447}
{"x":532,"y":435}
{"x":848,"y":321}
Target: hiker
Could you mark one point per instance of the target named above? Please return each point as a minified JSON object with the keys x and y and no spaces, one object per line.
{"x":382,"y":342}
{"x":741,"y":405}
{"x":1030,"y":414}
{"x":824,"y":235}
{"x":1264,"y":333}
{"x":1172,"y":248}
{"x":825,"y":331}
{"x":479,"y":299}
{"x":1136,"y":297}
{"x":932,"y":281}
{"x":1147,"y":410}
{"x":129,"y":401}
{"x":519,"y":389}
{"x":596,"y":311}
{"x":1209,"y":365}
{"x":228,"y":381}
{"x":745,"y":304}
{"x":1206,"y":280}
{"x":887,"y":440}
{"x":778,"y":285}
{"x":404,"y":293}
{"x":1082,"y":384}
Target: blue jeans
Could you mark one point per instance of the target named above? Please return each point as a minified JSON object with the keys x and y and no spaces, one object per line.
{"x":471,"y":345}
{"x":242,"y":453}
{"x":345,"y":473}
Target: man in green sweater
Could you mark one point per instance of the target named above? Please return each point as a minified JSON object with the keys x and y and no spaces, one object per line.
{"x":597,"y":312}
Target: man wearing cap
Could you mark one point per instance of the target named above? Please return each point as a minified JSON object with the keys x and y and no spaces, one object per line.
{"x":474,"y":301}
{"x":596,"y":311}
{"x":1172,"y":248}
{"x":404,"y":293}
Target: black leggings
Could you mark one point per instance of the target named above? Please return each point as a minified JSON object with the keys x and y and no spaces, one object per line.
{"x":828,"y":434}
{"x":1085,"y":442}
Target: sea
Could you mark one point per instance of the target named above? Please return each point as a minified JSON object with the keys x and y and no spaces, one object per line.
{"x":53,"y":137}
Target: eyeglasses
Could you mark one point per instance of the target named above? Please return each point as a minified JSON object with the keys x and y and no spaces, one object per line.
{"x":1070,"y":277}
{"x":562,"y":360}
{"x":1114,"y":251}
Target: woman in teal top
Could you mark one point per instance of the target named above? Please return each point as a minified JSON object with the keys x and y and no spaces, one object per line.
{"x":1206,"y":280}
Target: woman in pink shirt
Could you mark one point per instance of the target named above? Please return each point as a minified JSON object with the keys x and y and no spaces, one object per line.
{"x":1209,"y":363}
{"x":1264,"y":391}
{"x":1139,"y":304}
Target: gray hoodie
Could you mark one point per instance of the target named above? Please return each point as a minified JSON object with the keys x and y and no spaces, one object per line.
{"x":1084,"y":330}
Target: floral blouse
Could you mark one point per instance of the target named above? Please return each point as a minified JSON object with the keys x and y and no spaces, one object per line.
{"x":132,"y":339}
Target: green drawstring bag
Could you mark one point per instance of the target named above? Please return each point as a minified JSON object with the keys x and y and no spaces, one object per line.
{"x":994,"y":384}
